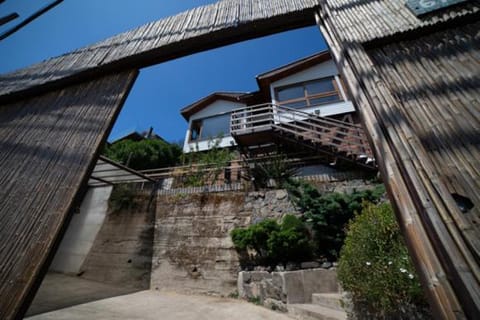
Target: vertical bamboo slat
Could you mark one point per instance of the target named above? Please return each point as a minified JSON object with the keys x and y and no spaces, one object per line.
{"x":48,"y":149}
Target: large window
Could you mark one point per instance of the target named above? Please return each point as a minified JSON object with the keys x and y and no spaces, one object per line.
{"x":309,"y":94}
{"x":210,"y":128}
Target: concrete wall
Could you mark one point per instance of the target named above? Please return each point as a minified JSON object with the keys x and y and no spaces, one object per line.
{"x":82,"y":231}
{"x":192,"y":249}
{"x":122,"y":251}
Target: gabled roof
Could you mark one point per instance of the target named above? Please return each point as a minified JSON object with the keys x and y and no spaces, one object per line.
{"x":195,"y":107}
{"x":137,"y":136}
{"x":268,"y":77}
{"x":263,"y":80}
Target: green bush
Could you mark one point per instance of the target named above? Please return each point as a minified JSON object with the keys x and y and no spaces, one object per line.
{"x":291,"y":243}
{"x":276,"y":168}
{"x":273,"y":243}
{"x":207,"y":166}
{"x":328,"y":214}
{"x":122,"y":198}
{"x":144,"y":154}
{"x":375,"y":268}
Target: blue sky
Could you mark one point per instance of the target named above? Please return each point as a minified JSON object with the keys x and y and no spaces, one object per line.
{"x":162,"y":90}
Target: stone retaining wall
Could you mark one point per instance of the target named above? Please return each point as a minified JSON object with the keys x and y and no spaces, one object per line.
{"x":280,"y":288}
{"x":193,"y":251}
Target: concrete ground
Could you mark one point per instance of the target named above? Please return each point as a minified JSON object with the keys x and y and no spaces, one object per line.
{"x":59,"y":291}
{"x":156,"y":305}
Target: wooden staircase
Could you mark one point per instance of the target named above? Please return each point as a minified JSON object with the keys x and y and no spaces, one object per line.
{"x":263,"y":124}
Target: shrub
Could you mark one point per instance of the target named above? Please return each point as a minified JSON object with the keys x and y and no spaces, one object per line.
{"x":275,"y":168}
{"x":273,"y":243}
{"x":207,"y":166}
{"x":291,"y":243}
{"x":255,"y":238}
{"x":329,"y":214}
{"x":375,"y":268}
{"x":144,"y":154}
{"x":122,"y":198}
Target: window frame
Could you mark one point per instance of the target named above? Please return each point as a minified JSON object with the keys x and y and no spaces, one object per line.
{"x":306,"y":97}
{"x":201,"y":126}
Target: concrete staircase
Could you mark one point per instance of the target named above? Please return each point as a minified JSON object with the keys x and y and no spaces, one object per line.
{"x":324,"y":306}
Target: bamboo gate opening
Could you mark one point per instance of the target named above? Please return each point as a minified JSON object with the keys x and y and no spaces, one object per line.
{"x":415,"y":82}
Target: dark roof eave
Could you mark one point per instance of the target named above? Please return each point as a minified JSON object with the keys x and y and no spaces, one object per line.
{"x":195,"y":107}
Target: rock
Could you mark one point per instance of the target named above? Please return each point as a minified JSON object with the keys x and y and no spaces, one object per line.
{"x":292,"y":267}
{"x":244,"y":277}
{"x":310,"y":265}
{"x":270,"y":290}
{"x":326,"y":265}
{"x":275,"y":305}
{"x":281,"y":194}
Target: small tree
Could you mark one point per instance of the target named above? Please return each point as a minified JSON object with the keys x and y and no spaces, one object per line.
{"x":144,"y":154}
{"x":272,"y":243}
{"x":375,"y":267}
{"x":207,"y":166}
{"x":328,"y":214}
{"x":276,"y":168}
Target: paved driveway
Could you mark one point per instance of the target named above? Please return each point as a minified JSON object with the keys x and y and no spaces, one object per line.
{"x":156,"y":305}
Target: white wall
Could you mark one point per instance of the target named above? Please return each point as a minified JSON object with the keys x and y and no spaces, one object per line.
{"x":82,"y":230}
{"x":322,"y":70}
{"x":216,"y":108}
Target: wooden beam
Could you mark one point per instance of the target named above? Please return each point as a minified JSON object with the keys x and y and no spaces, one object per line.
{"x":6,"y":19}
{"x":29,"y":19}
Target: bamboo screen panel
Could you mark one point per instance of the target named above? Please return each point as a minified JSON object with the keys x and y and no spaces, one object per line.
{"x":48,"y":147}
{"x":436,"y":79}
{"x":198,"y":29}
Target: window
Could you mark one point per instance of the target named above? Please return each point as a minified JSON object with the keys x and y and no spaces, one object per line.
{"x":309,"y":94}
{"x":210,"y":128}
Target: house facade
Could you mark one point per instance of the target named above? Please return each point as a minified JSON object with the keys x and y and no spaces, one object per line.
{"x":304,"y":102}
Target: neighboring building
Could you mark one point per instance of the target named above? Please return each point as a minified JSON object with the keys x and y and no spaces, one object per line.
{"x":137,"y":136}
{"x":301,"y":103}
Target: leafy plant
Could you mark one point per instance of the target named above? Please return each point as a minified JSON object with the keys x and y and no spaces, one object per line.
{"x":375,"y":267}
{"x":274,"y":168}
{"x":206,"y":167}
{"x":292,"y":243}
{"x":122,"y":197}
{"x":144,"y":154}
{"x":328,"y":214}
{"x":273,"y":243}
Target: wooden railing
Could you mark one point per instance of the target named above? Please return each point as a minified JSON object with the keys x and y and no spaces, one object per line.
{"x":251,"y":119}
{"x":341,"y":137}
{"x":174,"y":177}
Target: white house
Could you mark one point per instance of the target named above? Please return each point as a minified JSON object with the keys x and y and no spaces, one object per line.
{"x":311,"y":84}
{"x":209,"y":121}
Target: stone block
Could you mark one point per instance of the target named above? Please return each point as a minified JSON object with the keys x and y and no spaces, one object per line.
{"x":310,"y":265}
{"x":257,"y":276}
{"x":281,"y":194}
{"x":270,"y":290}
{"x":319,"y":281}
{"x":293,"y":286}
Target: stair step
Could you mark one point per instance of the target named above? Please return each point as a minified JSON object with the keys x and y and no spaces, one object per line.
{"x":329,"y":300}
{"x":315,"y":312}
